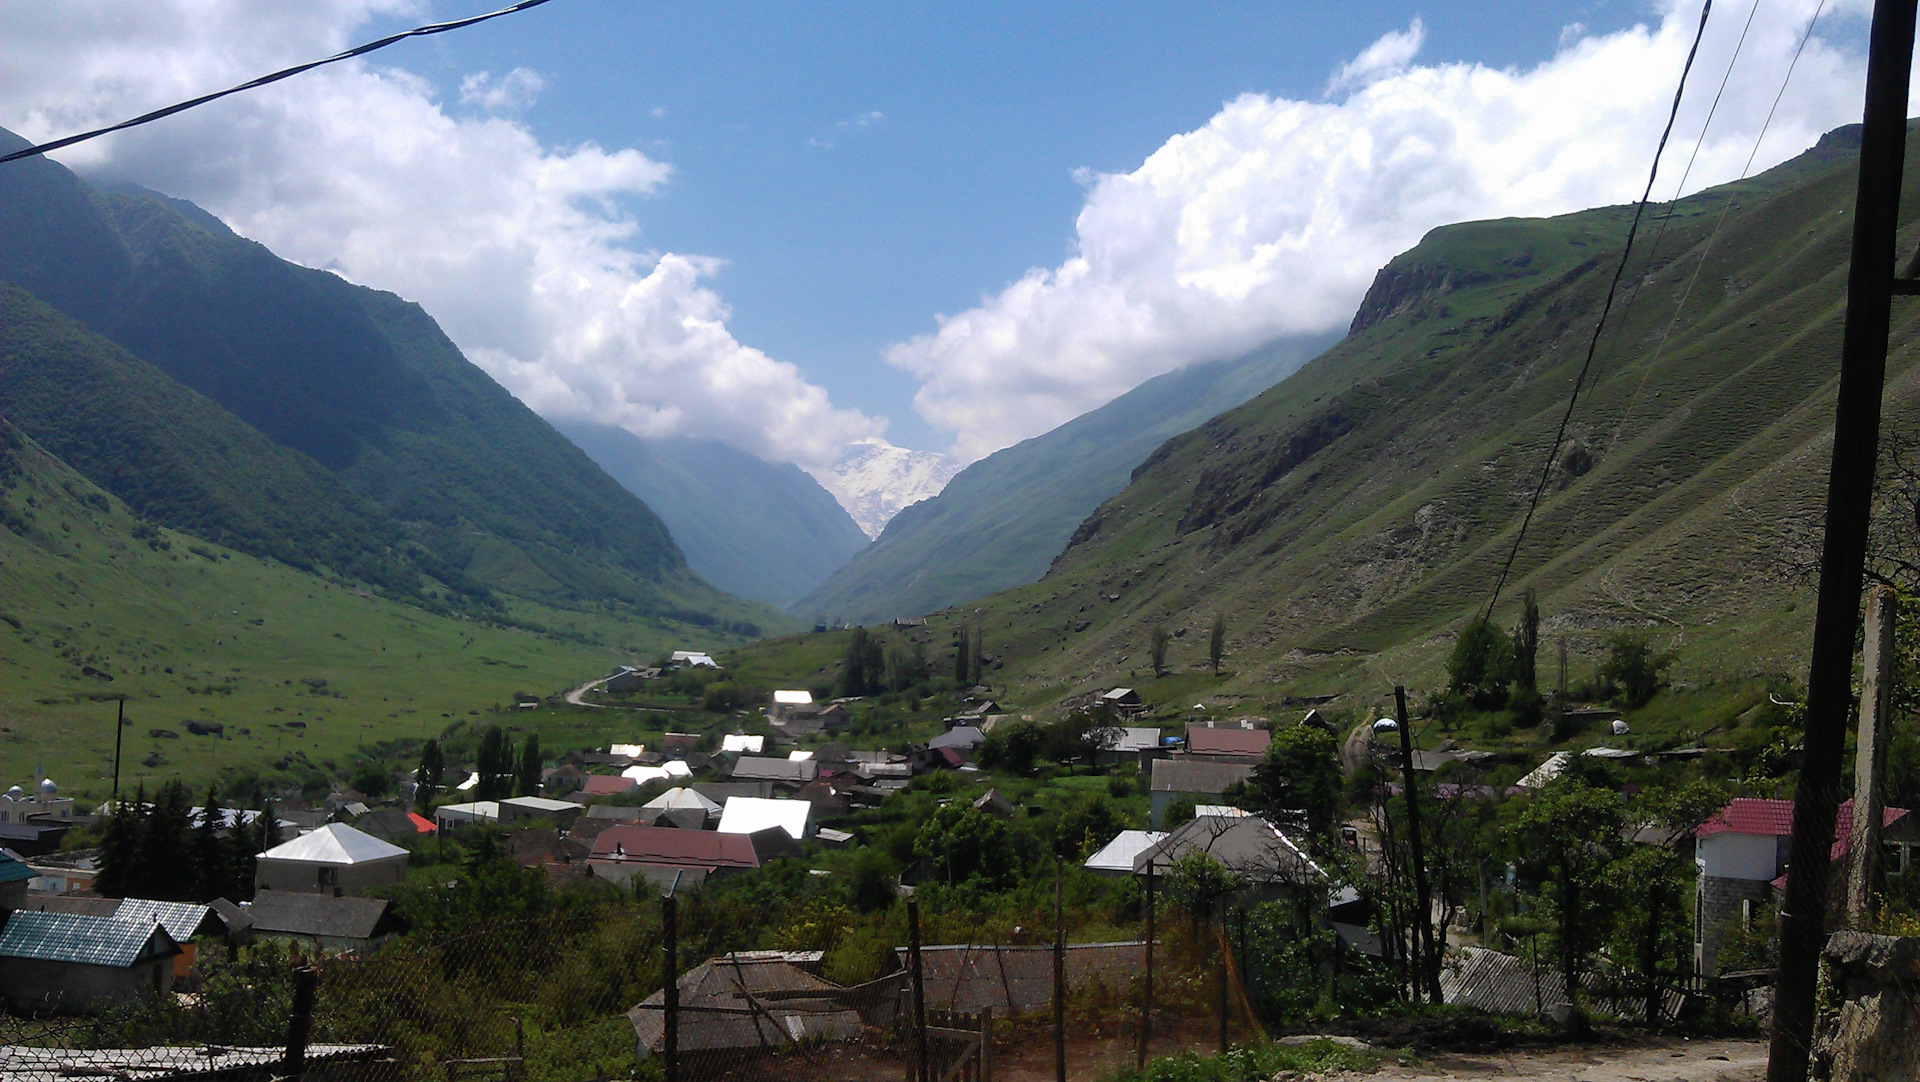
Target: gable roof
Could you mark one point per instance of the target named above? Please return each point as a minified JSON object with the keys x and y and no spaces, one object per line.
{"x":296,"y":913}
{"x":335,"y":843}
{"x":1118,"y":855}
{"x":682,"y":796}
{"x":1751,"y":815}
{"x":751,"y":767}
{"x":960,"y":736}
{"x":1249,"y":846}
{"x":86,"y":940}
{"x":670,"y":845}
{"x":182,"y":920}
{"x":1208,"y":740}
{"x":1197,"y":776}
{"x":608,"y":785}
{"x":750,"y":815}
{"x":1132,"y":738}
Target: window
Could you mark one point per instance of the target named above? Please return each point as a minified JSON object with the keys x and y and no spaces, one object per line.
{"x":329,"y":877}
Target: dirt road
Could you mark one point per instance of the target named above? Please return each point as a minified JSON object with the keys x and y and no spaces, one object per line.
{"x":1664,"y":1060}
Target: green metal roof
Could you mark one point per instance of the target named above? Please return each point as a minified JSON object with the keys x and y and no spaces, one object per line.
{"x":72,"y":937}
{"x":13,"y":871}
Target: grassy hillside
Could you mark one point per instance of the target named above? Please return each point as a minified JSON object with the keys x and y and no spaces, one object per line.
{"x":1349,"y":521}
{"x":756,"y":530}
{"x":1001,"y":521}
{"x":486,"y":495}
{"x":300,"y":670}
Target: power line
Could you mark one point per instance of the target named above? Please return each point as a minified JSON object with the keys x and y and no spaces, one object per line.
{"x":1593,"y":343}
{"x":284,"y":73}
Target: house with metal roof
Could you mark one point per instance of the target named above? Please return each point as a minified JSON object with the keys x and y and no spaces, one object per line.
{"x":1246,"y":845}
{"x":625,"y":849}
{"x":1193,"y":779}
{"x":680,"y":807}
{"x":75,"y":962}
{"x":740,"y":743}
{"x":750,"y":815}
{"x":1124,"y":702}
{"x":1230,"y":743}
{"x":335,"y":859}
{"x":328,"y":922}
{"x":514,"y":809}
{"x":1126,"y":743}
{"x":778,"y":771}
{"x":450,"y":816}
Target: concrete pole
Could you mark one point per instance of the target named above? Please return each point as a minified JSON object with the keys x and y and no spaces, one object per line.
{"x":1870,"y":760}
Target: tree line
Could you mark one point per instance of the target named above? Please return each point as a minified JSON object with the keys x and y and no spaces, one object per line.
{"x":168,"y":850}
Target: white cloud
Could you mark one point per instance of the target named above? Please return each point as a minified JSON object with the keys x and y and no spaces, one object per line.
{"x":1389,"y":56}
{"x":522,"y":251}
{"x":1273,"y":217}
{"x":511,"y":93}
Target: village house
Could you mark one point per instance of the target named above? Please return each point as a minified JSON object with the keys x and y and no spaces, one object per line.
{"x":788,"y":705}
{"x":607,"y":785}
{"x":741,"y":744}
{"x":334,"y":859}
{"x":693,"y":659}
{"x":784,"y":772}
{"x":73,"y":962}
{"x":1124,"y":702}
{"x":1115,"y":859}
{"x":665,"y":855}
{"x":1195,"y":780}
{"x":1128,"y":744}
{"x":1260,"y":853}
{"x":680,"y":807}
{"x":1226,"y":743}
{"x":1741,"y":857}
{"x":516,"y":809}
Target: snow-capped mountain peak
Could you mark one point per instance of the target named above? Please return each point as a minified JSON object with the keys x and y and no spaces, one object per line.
{"x":873,"y":480}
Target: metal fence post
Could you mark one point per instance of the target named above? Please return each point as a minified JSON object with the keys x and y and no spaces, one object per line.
{"x":670,"y":966}
{"x":919,"y":991}
{"x":1059,"y":977}
{"x":1146,"y":1000}
{"x":300,"y":1021}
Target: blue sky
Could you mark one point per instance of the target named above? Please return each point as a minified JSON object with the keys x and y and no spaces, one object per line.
{"x":841,"y":237}
{"x":794,"y":226}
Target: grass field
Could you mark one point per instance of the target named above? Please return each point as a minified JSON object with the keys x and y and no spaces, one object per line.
{"x":96,"y":604}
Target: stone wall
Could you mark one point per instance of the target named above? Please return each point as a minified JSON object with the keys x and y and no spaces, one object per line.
{"x":1870,"y":1009}
{"x":1718,"y":906}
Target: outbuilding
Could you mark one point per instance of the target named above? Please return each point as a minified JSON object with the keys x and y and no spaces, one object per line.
{"x":71,"y":961}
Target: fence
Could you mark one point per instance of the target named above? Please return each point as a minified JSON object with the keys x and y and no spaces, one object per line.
{"x":581,"y":994}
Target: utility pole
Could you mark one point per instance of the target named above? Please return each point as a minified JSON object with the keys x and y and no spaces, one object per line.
{"x":1146,"y":1002}
{"x":1856,"y":446}
{"x":1423,"y":956}
{"x":1870,"y":758}
{"x":119,"y":727}
{"x":1059,"y":975}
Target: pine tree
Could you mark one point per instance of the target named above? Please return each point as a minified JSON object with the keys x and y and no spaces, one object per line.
{"x":122,"y":846}
{"x":1217,"y":642}
{"x":211,"y":873}
{"x":426,"y":781}
{"x":494,"y":762}
{"x":530,"y":766}
{"x":978,"y":655}
{"x":962,"y":660}
{"x":167,"y":861}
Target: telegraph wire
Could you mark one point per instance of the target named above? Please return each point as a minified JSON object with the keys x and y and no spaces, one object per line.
{"x":1633,"y":228}
{"x":284,"y":73}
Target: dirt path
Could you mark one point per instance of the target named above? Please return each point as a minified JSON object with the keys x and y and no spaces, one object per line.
{"x":574,"y":696}
{"x":1661,"y":1060}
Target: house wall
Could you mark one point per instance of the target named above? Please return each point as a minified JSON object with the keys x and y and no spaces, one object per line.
{"x":305,"y":876}
{"x":29,"y":984}
{"x":1716,"y":904}
{"x":1739,"y":856}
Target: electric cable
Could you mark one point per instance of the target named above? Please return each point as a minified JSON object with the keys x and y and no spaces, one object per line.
{"x":1633,"y":228}
{"x":284,"y":73}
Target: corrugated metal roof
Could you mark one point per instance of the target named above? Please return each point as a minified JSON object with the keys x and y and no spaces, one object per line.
{"x":294,"y":913}
{"x":670,"y":845}
{"x":72,"y":937}
{"x":12,"y":871}
{"x":1207,"y":740}
{"x":1501,"y":983}
{"x":182,"y":920}
{"x":1192,"y":776}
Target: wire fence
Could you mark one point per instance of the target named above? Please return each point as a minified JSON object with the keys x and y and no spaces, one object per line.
{"x":583,"y":994}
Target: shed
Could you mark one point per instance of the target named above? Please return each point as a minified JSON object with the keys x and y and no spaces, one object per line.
{"x":334,"y":859}
{"x":517,"y":808}
{"x":1115,"y":859}
{"x":71,"y":961}
{"x":752,"y":1003}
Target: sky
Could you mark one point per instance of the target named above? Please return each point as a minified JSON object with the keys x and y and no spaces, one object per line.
{"x":791,"y":226}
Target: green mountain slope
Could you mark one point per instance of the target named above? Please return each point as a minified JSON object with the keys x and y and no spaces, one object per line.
{"x":1001,"y":521}
{"x":759,"y":531}
{"x":360,"y":382}
{"x":299,"y":671}
{"x":1350,"y":520}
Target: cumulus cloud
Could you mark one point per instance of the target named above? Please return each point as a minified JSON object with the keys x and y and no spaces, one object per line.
{"x":522,"y":251}
{"x":512,"y":92}
{"x":1273,"y":217}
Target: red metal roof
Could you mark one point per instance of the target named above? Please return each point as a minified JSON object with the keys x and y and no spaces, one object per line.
{"x":1235,"y":741}
{"x":1774,"y":819}
{"x":608,"y":785}
{"x":669,"y":845}
{"x":421,"y":824}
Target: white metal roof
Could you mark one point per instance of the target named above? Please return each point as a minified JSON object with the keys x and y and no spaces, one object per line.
{"x":793,"y":698}
{"x":677,"y":768}
{"x":682,"y":797}
{"x":645,"y":774}
{"x":1546,"y":771}
{"x":335,"y":843}
{"x":738,"y":742}
{"x":1117,"y":855}
{"x":478,"y":809}
{"x":1117,"y":693}
{"x":748,"y":814}
{"x":542,"y":804}
{"x":799,"y":756}
{"x":631,"y":751}
{"x":1219,"y":811}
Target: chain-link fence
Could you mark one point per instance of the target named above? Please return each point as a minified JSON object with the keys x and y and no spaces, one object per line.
{"x":582,"y":994}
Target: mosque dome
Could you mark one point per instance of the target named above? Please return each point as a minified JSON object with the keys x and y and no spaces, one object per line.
{"x":16,"y":793}
{"x":47,"y":788}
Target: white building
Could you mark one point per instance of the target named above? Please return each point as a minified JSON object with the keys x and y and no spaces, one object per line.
{"x":44,"y":804}
{"x":335,"y":859}
{"x":752,"y":814}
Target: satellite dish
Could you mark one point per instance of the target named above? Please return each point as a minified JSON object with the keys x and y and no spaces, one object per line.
{"x":1386,"y":725}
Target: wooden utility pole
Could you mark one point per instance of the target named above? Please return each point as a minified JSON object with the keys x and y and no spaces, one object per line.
{"x":670,"y":987}
{"x":1146,"y":1001}
{"x":1059,"y":976}
{"x":1856,"y":448}
{"x":1424,"y":959}
{"x":119,"y":727}
{"x":1870,"y":759}
{"x":919,"y":991}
